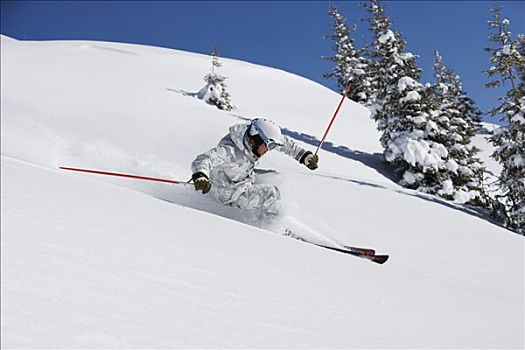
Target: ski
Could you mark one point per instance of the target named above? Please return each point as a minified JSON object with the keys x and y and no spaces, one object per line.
{"x":360,"y":250}
{"x":363,"y":253}
{"x":380,"y":259}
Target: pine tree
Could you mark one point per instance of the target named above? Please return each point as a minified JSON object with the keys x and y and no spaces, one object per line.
{"x":502,"y":55}
{"x":379,"y":24}
{"x":215,"y":91}
{"x":349,"y":66}
{"x":458,"y":118}
{"x":390,"y":62}
{"x":215,"y":60}
{"x":404,"y":110}
{"x":508,"y":67}
{"x":411,"y":137}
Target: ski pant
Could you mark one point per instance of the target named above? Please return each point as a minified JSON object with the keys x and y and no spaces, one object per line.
{"x":263,"y":197}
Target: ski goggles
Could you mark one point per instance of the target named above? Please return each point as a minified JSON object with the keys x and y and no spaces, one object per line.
{"x":270,"y":143}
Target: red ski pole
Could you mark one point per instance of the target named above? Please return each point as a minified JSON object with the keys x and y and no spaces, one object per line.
{"x":123,"y":175}
{"x":333,"y":118}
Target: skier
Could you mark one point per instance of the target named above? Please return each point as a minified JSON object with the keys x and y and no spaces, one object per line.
{"x":228,"y":169}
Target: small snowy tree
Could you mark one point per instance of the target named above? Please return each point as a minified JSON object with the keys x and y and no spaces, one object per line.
{"x":350,"y":67}
{"x":215,"y":92}
{"x":508,"y":67}
{"x":458,"y":118}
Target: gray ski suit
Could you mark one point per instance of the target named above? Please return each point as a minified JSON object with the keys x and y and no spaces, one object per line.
{"x":230,"y":168}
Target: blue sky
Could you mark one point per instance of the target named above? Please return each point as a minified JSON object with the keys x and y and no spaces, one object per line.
{"x":282,"y":34}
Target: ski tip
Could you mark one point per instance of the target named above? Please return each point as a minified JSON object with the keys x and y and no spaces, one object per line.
{"x":380,"y":259}
{"x":366,"y":251}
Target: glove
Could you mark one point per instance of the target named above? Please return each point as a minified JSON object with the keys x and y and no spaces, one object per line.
{"x":310,"y":160}
{"x":201,"y":182}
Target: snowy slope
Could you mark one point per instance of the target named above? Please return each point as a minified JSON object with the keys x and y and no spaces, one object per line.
{"x":95,"y":261}
{"x":481,"y":141}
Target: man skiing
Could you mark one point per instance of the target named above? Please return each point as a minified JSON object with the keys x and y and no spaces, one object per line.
{"x":227,"y":171}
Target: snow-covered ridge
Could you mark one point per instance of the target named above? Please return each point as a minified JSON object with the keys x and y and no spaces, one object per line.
{"x":91,"y":261}
{"x":488,"y":128}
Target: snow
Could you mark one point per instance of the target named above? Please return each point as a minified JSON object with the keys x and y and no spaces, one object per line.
{"x":517,"y":160}
{"x":488,"y":128}
{"x":388,"y":35}
{"x":409,"y":177}
{"x":417,"y":151}
{"x":506,"y":50}
{"x":518,"y":119}
{"x":411,"y":96}
{"x":462,"y":196}
{"x":406,"y":82}
{"x":92,"y":261}
{"x":448,"y":188}
{"x":452,"y":165}
{"x":443,"y":120}
{"x":407,"y":56}
{"x":210,"y":92}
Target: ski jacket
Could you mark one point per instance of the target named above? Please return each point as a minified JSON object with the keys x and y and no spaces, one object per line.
{"x":230,"y":166}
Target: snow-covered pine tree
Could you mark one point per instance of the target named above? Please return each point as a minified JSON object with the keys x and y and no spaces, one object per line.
{"x":404,"y":110}
{"x":411,"y":138}
{"x":350,"y":67}
{"x":502,"y":54}
{"x":458,"y":119}
{"x":215,"y":59}
{"x":379,"y":24}
{"x":508,"y":68}
{"x":215,"y":92}
{"x":386,"y":52}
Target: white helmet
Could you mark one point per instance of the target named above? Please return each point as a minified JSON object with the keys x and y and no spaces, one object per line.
{"x":269,"y":132}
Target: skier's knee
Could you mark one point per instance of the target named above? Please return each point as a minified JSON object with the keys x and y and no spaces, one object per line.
{"x":273,"y":205}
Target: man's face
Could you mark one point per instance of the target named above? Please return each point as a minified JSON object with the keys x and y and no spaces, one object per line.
{"x":262,"y":149}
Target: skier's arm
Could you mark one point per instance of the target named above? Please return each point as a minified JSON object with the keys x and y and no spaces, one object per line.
{"x":303,"y":156}
{"x":203,"y":164}
{"x":291,"y":149}
{"x":207,"y":160}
